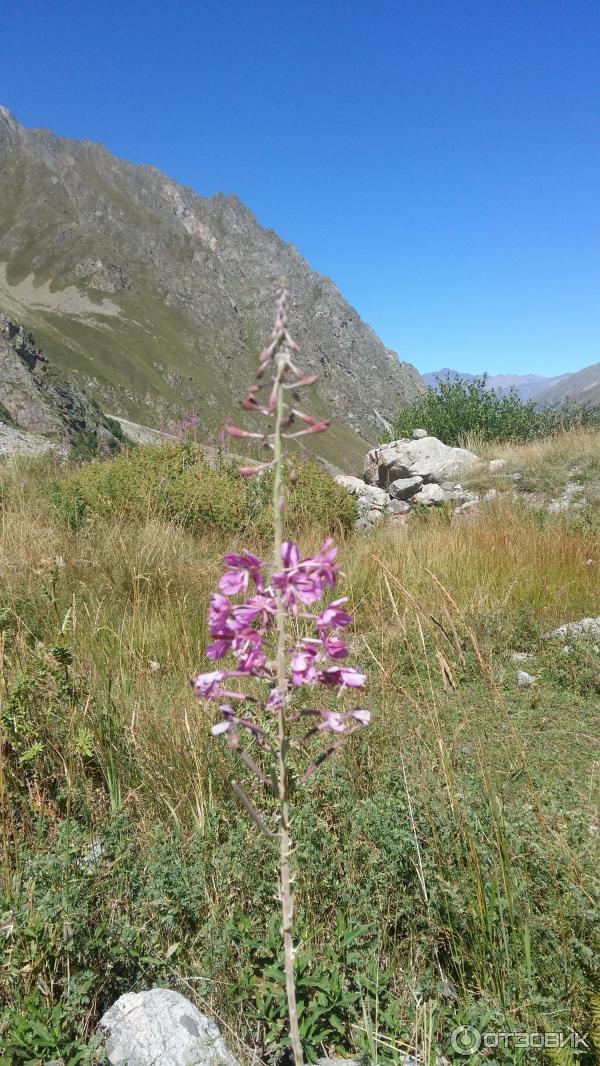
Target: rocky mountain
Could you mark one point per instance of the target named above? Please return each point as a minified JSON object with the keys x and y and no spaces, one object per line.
{"x":39,"y":409}
{"x":156,"y":301}
{"x":582,"y":387}
{"x":527,"y":386}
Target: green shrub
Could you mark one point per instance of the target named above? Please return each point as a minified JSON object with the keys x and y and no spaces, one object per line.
{"x":456,"y":409}
{"x":175,"y":482}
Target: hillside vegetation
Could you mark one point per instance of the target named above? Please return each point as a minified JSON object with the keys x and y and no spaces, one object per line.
{"x":448,"y":861}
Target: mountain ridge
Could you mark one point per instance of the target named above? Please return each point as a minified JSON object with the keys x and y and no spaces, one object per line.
{"x":527,"y":386}
{"x":158,"y":301}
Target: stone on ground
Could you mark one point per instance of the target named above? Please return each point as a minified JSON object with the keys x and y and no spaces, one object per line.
{"x":160,"y":1027}
{"x":405,"y":487}
{"x":426,"y":457}
{"x":585,"y":626}
{"x":430,"y":495}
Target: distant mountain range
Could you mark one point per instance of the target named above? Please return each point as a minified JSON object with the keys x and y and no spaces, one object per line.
{"x":582,"y":387}
{"x":156,"y":302}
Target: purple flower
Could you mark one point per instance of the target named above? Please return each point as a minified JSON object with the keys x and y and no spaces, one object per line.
{"x":345,"y":676}
{"x":332,"y":722}
{"x":218,"y":649}
{"x":305,"y":580}
{"x":246,"y":630}
{"x":332,"y":617}
{"x":262,"y":606}
{"x":221,"y":727}
{"x":219,"y":615}
{"x":361,"y":716}
{"x":303,"y":665}
{"x":289,"y":554}
{"x":241,"y":569}
{"x":274,"y":700}
{"x":335,"y":648}
{"x":208,"y":686}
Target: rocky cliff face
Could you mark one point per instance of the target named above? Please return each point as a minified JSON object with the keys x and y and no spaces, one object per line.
{"x":158,"y":300}
{"x":38,"y":408}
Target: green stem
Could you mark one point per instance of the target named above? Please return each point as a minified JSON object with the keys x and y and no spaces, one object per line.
{"x":286,"y":890}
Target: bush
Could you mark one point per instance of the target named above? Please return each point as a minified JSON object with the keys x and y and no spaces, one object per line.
{"x":455,"y":409}
{"x":176,"y":482}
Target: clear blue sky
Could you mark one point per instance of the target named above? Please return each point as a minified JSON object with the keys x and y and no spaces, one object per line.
{"x":439,"y":159}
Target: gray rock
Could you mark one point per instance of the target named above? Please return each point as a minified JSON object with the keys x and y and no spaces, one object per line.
{"x":585,"y":626}
{"x":418,"y":434}
{"x":405,"y":487}
{"x":399,"y":507}
{"x":362,"y":524}
{"x":93,"y":854}
{"x":430,"y":495}
{"x":161,"y":1028}
{"x":20,"y":442}
{"x":369,"y":495}
{"x":468,"y":506}
{"x":524,"y":679}
{"x":398,"y":519}
{"x":495,"y":465}
{"x":571,"y":497}
{"x":520,"y":656}
{"x":377,"y":498}
{"x":371,"y":468}
{"x":353,"y":485}
{"x":427,"y":457}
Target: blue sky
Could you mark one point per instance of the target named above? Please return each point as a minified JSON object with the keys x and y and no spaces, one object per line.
{"x":439,"y":159}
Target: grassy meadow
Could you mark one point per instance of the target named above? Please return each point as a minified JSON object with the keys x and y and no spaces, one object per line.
{"x":447,"y":861}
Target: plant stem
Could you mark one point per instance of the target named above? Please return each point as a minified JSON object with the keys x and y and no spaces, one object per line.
{"x":286,"y":891}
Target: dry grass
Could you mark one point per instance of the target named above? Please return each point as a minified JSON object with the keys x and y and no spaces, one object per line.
{"x":547,"y":465}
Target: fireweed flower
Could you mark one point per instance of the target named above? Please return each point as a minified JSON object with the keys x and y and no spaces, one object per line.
{"x":246,"y":630}
{"x":251,"y":618}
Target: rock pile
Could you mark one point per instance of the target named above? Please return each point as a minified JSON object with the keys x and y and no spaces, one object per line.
{"x":405,"y":474}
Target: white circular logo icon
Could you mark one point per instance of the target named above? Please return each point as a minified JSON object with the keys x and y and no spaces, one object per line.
{"x":465,"y":1040}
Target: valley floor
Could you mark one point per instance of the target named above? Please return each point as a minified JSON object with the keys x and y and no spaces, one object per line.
{"x":448,"y":861}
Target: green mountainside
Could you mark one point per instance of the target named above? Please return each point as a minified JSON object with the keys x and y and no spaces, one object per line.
{"x":156,"y":301}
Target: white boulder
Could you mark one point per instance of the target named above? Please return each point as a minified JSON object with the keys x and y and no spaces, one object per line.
{"x":426,"y":457}
{"x":161,"y":1028}
{"x":585,"y":626}
{"x":429,"y":495}
{"x":525,"y":680}
{"x":372,"y":495}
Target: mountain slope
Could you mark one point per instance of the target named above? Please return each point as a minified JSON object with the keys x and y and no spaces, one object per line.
{"x":583,"y":387}
{"x":157,"y":301}
{"x":36,"y":400}
{"x":527,"y":386}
